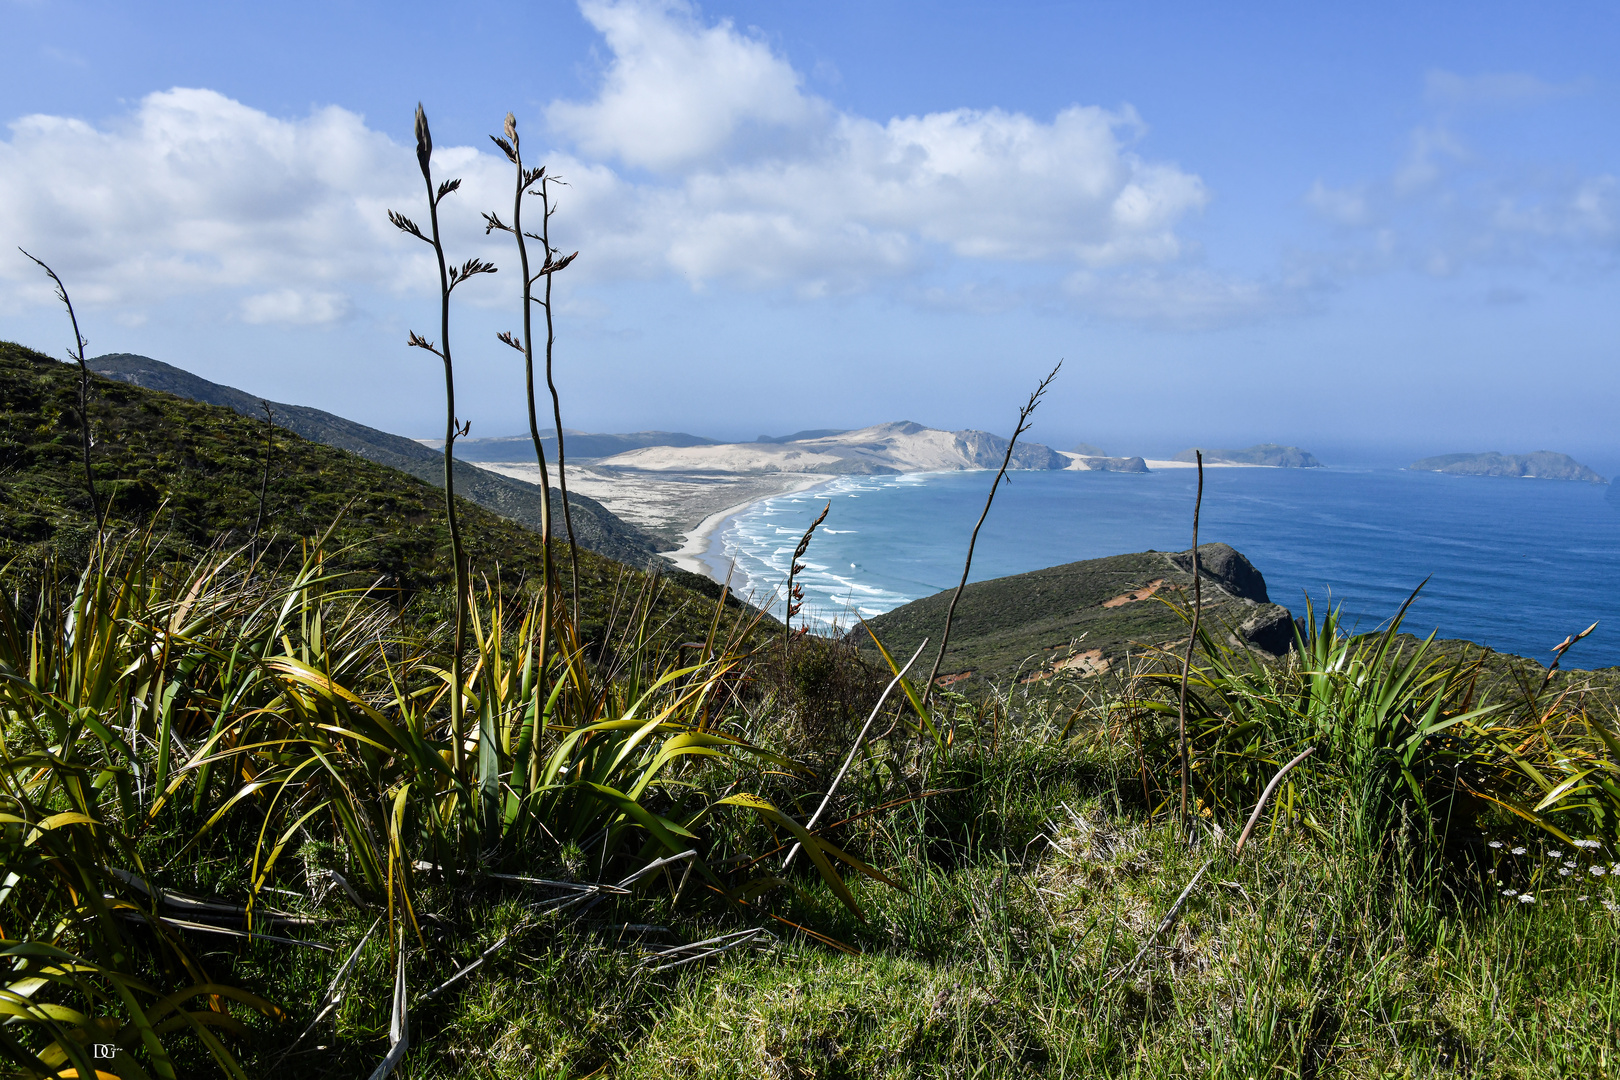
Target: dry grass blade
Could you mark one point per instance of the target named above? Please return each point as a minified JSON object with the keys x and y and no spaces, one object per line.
{"x":399,"y":1024}
{"x":709,"y":949}
{"x":1265,"y":795}
{"x":334,"y":992}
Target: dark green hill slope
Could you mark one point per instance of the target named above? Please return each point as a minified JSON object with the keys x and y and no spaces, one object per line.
{"x":1080,"y":618}
{"x":192,"y":471}
{"x":595,"y":527}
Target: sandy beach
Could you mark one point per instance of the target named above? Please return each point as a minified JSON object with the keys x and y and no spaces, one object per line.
{"x":691,"y":554}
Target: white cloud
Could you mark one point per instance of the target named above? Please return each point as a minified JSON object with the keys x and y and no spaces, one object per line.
{"x":294,"y":307}
{"x":777,"y":187}
{"x":1430,"y":151}
{"x":678,"y":91}
{"x":1447,"y":88}
{"x":1346,"y":206}
{"x":1186,"y":300}
{"x":701,"y":157}
{"x":194,"y":192}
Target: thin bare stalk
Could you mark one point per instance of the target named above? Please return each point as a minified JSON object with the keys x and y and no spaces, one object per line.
{"x":967,"y":564}
{"x":526,"y":179}
{"x":547,"y":209}
{"x":77,"y":353}
{"x":1186,"y":664}
{"x":449,"y":278}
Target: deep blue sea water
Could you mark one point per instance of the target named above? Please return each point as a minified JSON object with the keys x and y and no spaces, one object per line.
{"x":1514,"y":564}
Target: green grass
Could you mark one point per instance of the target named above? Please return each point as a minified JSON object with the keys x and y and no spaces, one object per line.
{"x":241,"y":730}
{"x":190,"y":472}
{"x":1007,"y":954}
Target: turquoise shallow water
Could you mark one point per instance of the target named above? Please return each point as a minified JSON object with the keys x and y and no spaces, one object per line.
{"x":1515,"y":564}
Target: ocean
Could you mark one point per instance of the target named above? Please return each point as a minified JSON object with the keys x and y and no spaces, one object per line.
{"x":1513,"y":564}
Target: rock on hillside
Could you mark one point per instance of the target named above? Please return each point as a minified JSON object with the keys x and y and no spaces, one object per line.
{"x":1268,"y":454}
{"x":901,"y":447}
{"x":1079,"y":619}
{"x":595,"y":526}
{"x":1541,"y":465}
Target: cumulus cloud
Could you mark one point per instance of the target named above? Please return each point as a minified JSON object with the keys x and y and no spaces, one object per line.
{"x":701,"y":156}
{"x":1451,"y":204}
{"x":678,"y":91}
{"x":193,"y":192}
{"x":762,"y":182}
{"x":293,"y":307}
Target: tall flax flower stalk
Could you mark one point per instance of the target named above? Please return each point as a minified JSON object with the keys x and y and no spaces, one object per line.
{"x":526,"y":180}
{"x":77,"y":353}
{"x":547,"y":208}
{"x":449,"y":278}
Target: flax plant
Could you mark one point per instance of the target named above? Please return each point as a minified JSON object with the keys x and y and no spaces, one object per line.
{"x":449,"y":278}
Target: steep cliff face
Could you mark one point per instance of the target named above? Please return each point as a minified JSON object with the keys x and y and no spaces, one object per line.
{"x":1540,"y":465}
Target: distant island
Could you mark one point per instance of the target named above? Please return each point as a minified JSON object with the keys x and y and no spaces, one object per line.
{"x":1268,"y":454}
{"x":1541,"y":465}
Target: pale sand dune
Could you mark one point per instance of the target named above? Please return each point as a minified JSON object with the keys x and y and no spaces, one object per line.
{"x":900,"y":447}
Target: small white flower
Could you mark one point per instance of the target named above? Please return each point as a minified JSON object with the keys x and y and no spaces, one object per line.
{"x":1569,"y":864}
{"x":1491,"y":871}
{"x":1496,"y":844}
{"x":1591,"y":845}
{"x":1612,"y":906}
{"x":1596,"y":871}
{"x":1583,"y":897}
{"x":1555,"y":854}
{"x":1510,"y":892}
{"x":1519,"y":850}
{"x":1564,"y":871}
{"x":1614,"y":868}
{"x":1526,"y":898}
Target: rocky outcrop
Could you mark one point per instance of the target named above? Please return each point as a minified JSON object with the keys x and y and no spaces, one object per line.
{"x":1541,"y":465}
{"x":1271,"y":455}
{"x":1227,"y":567}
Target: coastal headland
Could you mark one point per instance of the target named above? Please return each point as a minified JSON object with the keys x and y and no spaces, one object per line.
{"x":683,"y":489}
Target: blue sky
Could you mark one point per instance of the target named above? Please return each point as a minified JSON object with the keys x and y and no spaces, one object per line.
{"x":1369,"y":231}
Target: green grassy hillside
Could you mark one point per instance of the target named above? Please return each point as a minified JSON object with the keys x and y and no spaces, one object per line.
{"x":192,"y":472}
{"x":1082,"y":617}
{"x":595,"y":527}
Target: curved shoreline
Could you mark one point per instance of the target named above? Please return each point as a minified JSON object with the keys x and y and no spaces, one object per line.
{"x":696,"y":547}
